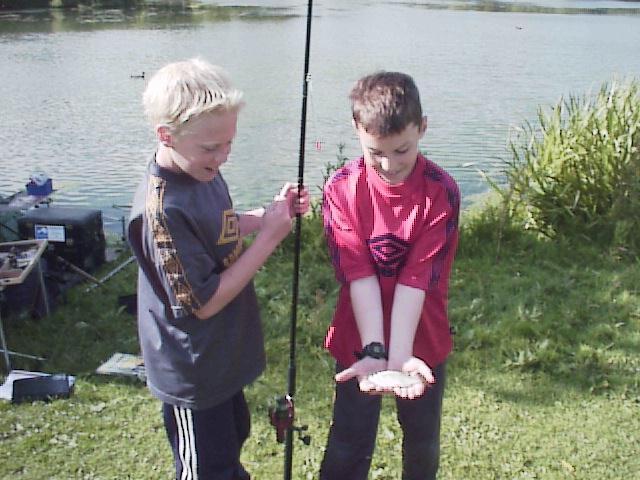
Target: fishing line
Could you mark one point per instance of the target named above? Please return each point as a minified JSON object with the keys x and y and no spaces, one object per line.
{"x":319,"y":141}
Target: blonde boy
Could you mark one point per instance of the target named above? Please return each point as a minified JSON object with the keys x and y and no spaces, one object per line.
{"x":198,"y":319}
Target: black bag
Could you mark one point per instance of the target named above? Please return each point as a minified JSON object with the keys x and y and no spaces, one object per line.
{"x":46,"y":387}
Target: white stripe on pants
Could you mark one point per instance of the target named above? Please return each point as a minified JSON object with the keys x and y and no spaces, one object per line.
{"x":186,"y":443}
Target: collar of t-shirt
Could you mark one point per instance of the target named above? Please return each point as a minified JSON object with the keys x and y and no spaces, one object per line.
{"x":166,"y":174}
{"x":398,"y":189}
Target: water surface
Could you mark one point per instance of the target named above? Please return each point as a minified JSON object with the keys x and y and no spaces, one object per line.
{"x":70,"y":108}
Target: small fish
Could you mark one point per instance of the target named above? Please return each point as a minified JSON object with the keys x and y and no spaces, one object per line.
{"x":393,"y":378}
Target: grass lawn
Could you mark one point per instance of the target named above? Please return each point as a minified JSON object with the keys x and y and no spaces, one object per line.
{"x":543,"y":383}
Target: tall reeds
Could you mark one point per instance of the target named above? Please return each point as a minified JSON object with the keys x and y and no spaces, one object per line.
{"x":577,"y":173}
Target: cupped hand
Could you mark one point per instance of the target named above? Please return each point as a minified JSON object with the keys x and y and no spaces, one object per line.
{"x":416,"y":367}
{"x":361,"y":370}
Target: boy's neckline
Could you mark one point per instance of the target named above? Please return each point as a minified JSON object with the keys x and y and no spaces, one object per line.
{"x":169,"y":174}
{"x":395,"y":188}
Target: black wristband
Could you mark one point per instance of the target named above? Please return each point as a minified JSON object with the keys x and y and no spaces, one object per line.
{"x":374,"y":350}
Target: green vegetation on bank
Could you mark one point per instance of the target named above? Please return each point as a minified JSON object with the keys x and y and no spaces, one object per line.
{"x":71,"y":15}
{"x":544,"y":381}
{"x":577,"y":173}
{"x":37,"y":4}
{"x":186,"y":7}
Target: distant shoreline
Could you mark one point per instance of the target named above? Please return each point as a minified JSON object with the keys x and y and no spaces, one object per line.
{"x":509,"y":6}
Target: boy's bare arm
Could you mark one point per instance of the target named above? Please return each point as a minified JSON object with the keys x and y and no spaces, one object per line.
{"x":250,"y":221}
{"x":405,"y":316}
{"x":276,"y":226}
{"x":367,"y":309}
{"x":273,"y":224}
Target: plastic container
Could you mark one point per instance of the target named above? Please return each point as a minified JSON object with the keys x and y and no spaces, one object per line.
{"x":40,"y":190}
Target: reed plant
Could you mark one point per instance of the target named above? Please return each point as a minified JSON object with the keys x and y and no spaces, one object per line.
{"x":576,"y":173}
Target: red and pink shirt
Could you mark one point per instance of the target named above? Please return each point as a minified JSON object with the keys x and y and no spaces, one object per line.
{"x":405,"y":233}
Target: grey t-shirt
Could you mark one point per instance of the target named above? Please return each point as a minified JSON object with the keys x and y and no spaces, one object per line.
{"x":184,"y":234}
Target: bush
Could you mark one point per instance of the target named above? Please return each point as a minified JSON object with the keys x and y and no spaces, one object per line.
{"x":578,"y":173}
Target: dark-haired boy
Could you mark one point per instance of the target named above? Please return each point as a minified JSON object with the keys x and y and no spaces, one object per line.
{"x":391,"y":222}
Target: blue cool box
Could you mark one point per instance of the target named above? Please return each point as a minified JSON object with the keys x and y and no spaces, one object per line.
{"x":40,"y":190}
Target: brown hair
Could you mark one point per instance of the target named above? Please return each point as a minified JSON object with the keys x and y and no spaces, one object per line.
{"x":385,"y":103}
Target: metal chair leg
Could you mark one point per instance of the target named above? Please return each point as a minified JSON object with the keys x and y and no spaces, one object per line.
{"x":5,"y":350}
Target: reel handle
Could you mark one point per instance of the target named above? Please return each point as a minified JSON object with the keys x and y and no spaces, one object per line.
{"x":281,"y":416}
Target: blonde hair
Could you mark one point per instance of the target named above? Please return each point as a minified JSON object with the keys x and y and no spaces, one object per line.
{"x":183,"y":90}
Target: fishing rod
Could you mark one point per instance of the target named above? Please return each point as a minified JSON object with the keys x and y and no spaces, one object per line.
{"x":282,"y":415}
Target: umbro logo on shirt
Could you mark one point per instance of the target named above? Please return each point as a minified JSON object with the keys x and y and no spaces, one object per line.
{"x":389,"y":253}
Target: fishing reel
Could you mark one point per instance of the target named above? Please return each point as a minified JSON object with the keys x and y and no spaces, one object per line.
{"x":282,"y":415}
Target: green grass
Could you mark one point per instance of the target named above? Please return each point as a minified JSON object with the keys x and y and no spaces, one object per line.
{"x":543,"y":383}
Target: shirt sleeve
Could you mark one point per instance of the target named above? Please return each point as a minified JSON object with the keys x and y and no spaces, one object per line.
{"x":430,"y":255}
{"x":348,"y":250}
{"x":187,"y":271}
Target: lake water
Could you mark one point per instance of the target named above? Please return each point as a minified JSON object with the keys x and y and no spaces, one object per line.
{"x":69,"y":107}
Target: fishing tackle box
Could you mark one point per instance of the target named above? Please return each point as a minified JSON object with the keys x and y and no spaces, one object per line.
{"x":75,"y":234}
